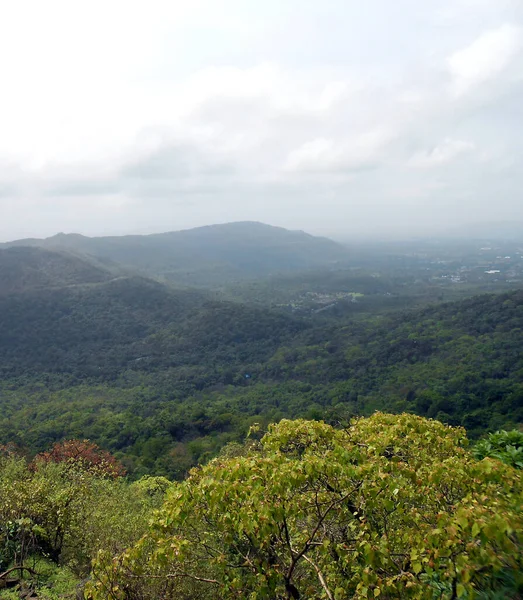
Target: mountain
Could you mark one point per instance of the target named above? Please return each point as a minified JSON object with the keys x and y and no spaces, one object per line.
{"x":206,"y":255}
{"x":24,"y":268}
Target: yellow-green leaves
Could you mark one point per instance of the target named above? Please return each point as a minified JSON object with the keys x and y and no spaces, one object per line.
{"x":392,"y":507}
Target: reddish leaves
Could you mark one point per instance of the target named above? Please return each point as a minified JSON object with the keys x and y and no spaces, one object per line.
{"x":85,"y":454}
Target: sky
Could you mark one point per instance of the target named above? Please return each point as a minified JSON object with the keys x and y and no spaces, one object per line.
{"x":340,"y":117}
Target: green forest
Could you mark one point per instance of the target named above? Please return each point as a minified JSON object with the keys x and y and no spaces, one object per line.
{"x":392,"y":506}
{"x":337,"y":432}
{"x":163,"y":385}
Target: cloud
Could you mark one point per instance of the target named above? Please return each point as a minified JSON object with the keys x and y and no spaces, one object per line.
{"x":308,"y":115}
{"x":174,"y":161}
{"x":485,"y":58}
{"x":361,"y":153}
{"x":442,"y":154}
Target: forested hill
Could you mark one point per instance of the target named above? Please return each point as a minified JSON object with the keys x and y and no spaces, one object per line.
{"x":460,"y":362}
{"x":207,"y":255}
{"x":24,"y":268}
{"x":164,"y":378}
{"x":131,"y":323}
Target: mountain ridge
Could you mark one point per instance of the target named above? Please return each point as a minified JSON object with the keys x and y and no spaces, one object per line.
{"x":213,"y":226}
{"x":204,"y":256}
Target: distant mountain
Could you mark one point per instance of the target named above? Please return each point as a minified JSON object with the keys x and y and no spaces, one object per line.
{"x":206,"y":255}
{"x":23,"y":268}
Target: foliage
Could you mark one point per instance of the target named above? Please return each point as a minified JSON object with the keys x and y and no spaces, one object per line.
{"x":83,"y":455}
{"x":506,"y":446}
{"x":459,"y":362}
{"x":391,"y":507}
{"x":65,"y":513}
{"x":98,"y":332}
{"x":49,"y":582}
{"x":152,"y":489}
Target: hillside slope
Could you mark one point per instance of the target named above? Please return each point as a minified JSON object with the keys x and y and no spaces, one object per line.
{"x":207,"y":255}
{"x":166,"y":378}
{"x":24,"y":268}
{"x":99,"y":331}
{"x":460,"y":362}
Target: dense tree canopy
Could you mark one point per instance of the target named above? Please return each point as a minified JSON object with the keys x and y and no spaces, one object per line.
{"x":165,"y":383}
{"x":391,"y":507}
{"x":170,"y":400}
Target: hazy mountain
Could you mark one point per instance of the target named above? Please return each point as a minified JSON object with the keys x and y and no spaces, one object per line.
{"x":23,"y":268}
{"x":207,"y":255}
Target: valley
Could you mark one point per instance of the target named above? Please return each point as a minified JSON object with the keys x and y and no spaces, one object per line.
{"x":163,"y":375}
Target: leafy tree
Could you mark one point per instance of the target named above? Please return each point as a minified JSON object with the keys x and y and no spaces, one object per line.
{"x":506,"y":446}
{"x":83,"y":454}
{"x":391,"y":507}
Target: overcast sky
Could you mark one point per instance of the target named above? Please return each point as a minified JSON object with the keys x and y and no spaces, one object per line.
{"x":340,"y":117}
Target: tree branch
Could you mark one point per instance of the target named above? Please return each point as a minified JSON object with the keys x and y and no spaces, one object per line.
{"x":174,"y":576}
{"x":189,"y":576}
{"x":320,"y":577}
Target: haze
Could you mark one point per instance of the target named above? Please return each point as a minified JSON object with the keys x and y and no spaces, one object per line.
{"x":340,"y":117}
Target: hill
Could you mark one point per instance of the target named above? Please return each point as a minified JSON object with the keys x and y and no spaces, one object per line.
{"x":207,"y":255}
{"x":24,"y":268}
{"x":99,"y":331}
{"x":165,"y":378}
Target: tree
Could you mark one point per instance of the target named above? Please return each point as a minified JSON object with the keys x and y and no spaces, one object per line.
{"x":391,"y":507}
{"x":83,"y":454}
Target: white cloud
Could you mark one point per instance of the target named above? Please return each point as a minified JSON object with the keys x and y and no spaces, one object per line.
{"x":172,"y":114}
{"x":486,"y":57}
{"x":442,"y":154}
{"x":362,"y":152}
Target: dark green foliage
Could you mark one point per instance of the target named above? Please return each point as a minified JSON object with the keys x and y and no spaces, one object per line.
{"x":130,"y":323}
